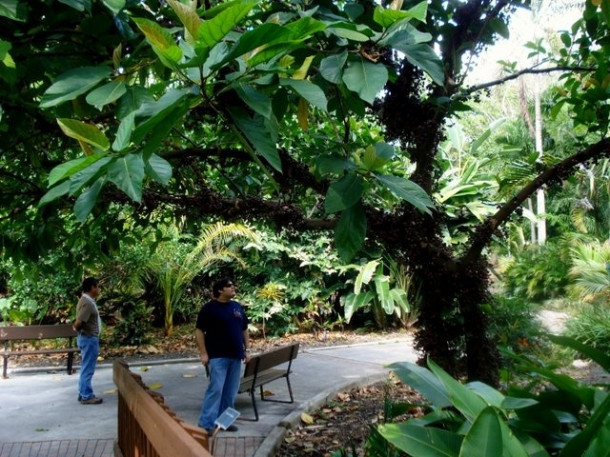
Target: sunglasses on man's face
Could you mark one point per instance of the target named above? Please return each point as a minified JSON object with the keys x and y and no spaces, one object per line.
{"x":230,"y":285}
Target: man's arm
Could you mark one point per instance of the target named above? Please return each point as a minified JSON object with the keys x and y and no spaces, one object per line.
{"x":203,"y":353}
{"x":247,"y":344}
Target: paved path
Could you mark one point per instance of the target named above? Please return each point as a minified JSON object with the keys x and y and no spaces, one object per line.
{"x":41,"y":416}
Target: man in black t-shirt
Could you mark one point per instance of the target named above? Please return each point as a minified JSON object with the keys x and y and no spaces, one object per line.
{"x":222,"y":339}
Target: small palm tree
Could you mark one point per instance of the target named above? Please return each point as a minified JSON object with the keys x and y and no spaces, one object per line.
{"x":176,"y":262}
{"x":591,"y":270}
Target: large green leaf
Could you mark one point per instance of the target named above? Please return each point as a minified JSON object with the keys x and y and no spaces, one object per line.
{"x":87,"y":175}
{"x":73,"y":83}
{"x":127,"y":173}
{"x":159,"y":169}
{"x":256,"y":100}
{"x":408,"y":191}
{"x":115,"y":5}
{"x":590,"y":352}
{"x":213,"y":30}
{"x":353,"y":302}
{"x":492,"y":396}
{"x":155,"y":111}
{"x":344,"y":193}
{"x":424,"y":57}
{"x":189,"y":18}
{"x":388,"y":17}
{"x":331,"y":67}
{"x":382,"y":287}
{"x":86,"y":201}
{"x":260,"y":135}
{"x":81,"y":131}
{"x":161,"y":41}
{"x":78,"y":5}
{"x":350,"y":232}
{"x":466,"y":401}
{"x":365,"y":275}
{"x":55,"y":192}
{"x":263,"y":35}
{"x":304,"y":27}
{"x":422,"y":380}
{"x":67,"y":169}
{"x":593,"y":429}
{"x":600,"y":445}
{"x":422,"y":441}
{"x":309,"y":91}
{"x":123,"y":134}
{"x":365,"y":78}
{"x":331,"y":164}
{"x":106,"y":94}
{"x":489,"y":436}
{"x":9,"y":8}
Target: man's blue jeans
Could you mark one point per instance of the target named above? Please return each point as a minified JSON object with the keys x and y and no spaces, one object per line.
{"x":89,"y":350}
{"x":222,"y":390}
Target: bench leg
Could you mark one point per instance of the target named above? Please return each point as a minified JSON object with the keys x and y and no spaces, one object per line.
{"x":5,"y":368}
{"x":279,"y":401}
{"x":70,"y":361}
{"x":253,"y":398}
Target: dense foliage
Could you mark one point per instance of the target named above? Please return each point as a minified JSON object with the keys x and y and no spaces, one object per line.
{"x":314,"y":116}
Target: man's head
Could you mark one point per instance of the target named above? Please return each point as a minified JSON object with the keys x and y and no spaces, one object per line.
{"x":224,"y":287}
{"x":91,"y":286}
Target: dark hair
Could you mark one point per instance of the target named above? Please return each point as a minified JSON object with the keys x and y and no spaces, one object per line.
{"x":89,"y":283}
{"x":219,"y":285}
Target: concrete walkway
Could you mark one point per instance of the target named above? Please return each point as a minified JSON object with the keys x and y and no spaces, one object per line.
{"x":41,"y":416}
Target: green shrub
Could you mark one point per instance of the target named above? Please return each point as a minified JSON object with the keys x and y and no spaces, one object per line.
{"x":551,"y":415}
{"x":513,"y":324}
{"x":591,"y":326}
{"x":133,"y":329}
{"x":538,"y":273}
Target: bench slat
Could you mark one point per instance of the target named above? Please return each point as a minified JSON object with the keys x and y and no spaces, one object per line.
{"x":38,"y":332}
{"x":42,"y":351}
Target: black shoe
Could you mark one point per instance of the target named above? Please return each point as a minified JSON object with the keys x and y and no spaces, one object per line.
{"x":79,"y":397}
{"x":232,"y":428}
{"x":91,"y":401}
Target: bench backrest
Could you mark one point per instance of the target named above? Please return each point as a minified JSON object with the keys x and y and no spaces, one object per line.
{"x":37,"y":332}
{"x":147,"y":427}
{"x":271,"y":359}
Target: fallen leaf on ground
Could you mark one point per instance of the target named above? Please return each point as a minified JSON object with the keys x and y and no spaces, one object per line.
{"x":110,"y":391}
{"x":155,"y":385}
{"x":306,"y":418}
{"x":189,"y":375}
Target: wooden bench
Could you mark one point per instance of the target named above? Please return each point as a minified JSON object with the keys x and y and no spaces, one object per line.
{"x":147,"y":426}
{"x":8,"y":335}
{"x":262,"y":369}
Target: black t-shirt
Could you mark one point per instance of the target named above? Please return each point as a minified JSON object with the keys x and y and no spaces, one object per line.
{"x":223,"y":325}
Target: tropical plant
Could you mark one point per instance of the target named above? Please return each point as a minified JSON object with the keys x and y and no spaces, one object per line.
{"x":591,"y":325}
{"x":251,"y":110}
{"x":385,"y":298}
{"x":269,"y":302}
{"x":553,"y":415}
{"x":591,"y":272}
{"x":175,"y":263}
{"x":538,"y":272}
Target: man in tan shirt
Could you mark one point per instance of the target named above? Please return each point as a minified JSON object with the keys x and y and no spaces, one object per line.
{"x":87,"y":325}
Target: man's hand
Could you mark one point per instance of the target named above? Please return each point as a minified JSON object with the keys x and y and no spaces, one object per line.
{"x":205,"y":359}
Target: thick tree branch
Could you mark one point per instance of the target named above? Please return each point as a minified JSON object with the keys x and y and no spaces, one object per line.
{"x":527,"y":71}
{"x":556,"y":173}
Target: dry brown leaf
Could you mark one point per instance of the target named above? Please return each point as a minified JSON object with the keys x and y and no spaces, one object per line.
{"x":306,"y":418}
{"x":268,"y":393}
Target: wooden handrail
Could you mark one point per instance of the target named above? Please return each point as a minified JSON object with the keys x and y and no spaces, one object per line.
{"x":148,"y":427}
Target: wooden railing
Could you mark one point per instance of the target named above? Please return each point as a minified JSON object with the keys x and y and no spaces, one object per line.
{"x":147,"y":426}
